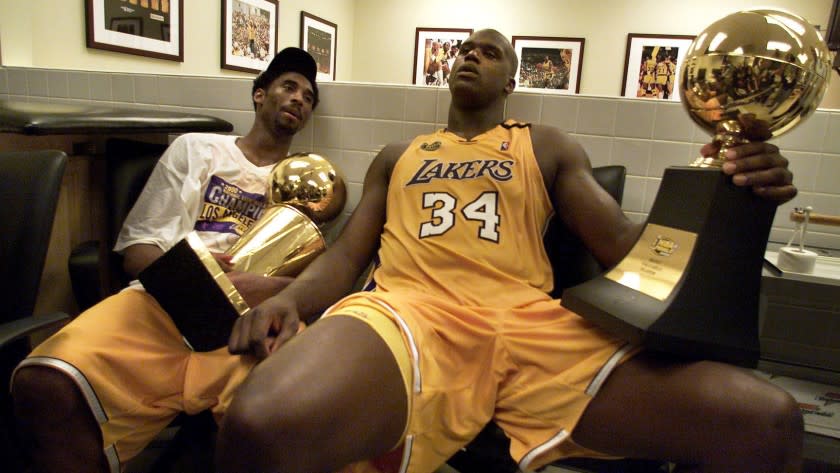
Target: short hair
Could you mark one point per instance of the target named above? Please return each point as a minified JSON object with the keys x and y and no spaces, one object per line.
{"x":513,"y":61}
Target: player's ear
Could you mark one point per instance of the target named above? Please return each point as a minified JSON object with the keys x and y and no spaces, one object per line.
{"x":259,"y":95}
{"x":510,"y":86}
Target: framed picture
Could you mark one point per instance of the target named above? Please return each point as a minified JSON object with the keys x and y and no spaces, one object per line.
{"x":549,"y":64}
{"x":320,"y":38}
{"x":434,"y":52}
{"x":652,"y":65}
{"x":129,"y":25}
{"x":249,"y":34}
{"x":152,"y":28}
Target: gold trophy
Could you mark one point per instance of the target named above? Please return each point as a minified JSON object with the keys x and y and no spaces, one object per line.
{"x":305,"y":190}
{"x":690,"y":285}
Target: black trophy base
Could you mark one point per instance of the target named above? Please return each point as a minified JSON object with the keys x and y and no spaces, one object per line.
{"x":188,"y":291}
{"x":712,"y":310}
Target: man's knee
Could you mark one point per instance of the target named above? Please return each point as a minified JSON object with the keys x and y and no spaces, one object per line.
{"x":41,"y":393}
{"x":260,"y":431}
{"x":255,"y":416}
{"x":770,"y":430}
{"x":783,"y":425}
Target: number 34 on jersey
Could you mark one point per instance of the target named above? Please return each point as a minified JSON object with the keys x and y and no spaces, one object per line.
{"x":483,"y":211}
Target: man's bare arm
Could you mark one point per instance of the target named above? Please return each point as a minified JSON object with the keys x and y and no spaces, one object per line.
{"x":328,"y":277}
{"x":584,"y":206}
{"x":137,"y":257}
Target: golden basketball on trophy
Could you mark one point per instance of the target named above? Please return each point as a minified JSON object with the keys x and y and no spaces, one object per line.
{"x":310,"y":183}
{"x":305,"y":192}
{"x":690,"y":286}
{"x":753,"y":75}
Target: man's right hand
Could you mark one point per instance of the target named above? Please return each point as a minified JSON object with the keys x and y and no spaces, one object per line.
{"x":265,"y":328}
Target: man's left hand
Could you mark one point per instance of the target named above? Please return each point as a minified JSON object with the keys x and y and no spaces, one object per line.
{"x":256,"y":288}
{"x":759,"y":165}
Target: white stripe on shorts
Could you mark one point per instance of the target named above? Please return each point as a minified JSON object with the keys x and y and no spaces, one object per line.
{"x":87,"y":391}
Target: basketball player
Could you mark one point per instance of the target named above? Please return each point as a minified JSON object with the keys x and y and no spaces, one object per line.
{"x":460,"y":330}
{"x":663,"y":73}
{"x":93,"y":395}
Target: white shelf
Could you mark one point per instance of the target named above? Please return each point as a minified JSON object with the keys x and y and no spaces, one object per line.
{"x":826,"y":270}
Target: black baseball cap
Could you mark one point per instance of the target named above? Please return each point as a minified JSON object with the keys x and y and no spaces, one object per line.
{"x":289,"y":60}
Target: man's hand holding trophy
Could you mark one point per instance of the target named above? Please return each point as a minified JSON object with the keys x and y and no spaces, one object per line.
{"x":305,"y":194}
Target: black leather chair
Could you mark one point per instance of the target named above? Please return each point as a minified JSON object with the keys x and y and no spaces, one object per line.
{"x":29,"y":188}
{"x":96,"y":271}
{"x":573,"y":264}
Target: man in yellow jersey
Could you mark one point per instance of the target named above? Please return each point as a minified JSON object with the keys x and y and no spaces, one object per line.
{"x":459,"y":328}
{"x":663,"y":73}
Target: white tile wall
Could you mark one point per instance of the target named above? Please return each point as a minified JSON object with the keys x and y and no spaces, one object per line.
{"x":79,"y":85}
{"x":354,"y":121}
{"x":597,"y":117}
{"x":100,"y":86}
{"x":672,"y":123}
{"x":635,"y":119}
{"x":525,"y":106}
{"x":57,"y":84}
{"x":147,"y":89}
{"x":36,"y":83}
{"x":17,"y":82}
{"x":122,"y":87}
{"x":389,"y":103}
{"x":420,"y":105}
{"x":560,"y":112}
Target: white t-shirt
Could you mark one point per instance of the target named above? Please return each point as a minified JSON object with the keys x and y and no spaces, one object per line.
{"x":202,"y":182}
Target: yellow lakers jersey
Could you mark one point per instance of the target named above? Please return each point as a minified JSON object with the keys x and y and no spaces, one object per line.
{"x":465,"y":220}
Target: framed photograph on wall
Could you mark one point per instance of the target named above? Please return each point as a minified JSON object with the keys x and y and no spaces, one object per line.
{"x":249,"y":34}
{"x":152,"y":28}
{"x":320,"y":38}
{"x":434,"y":52}
{"x":549,"y":64}
{"x":652,"y":65}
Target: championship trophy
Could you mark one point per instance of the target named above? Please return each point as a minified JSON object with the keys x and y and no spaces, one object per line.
{"x":690,"y":285}
{"x":305,"y":191}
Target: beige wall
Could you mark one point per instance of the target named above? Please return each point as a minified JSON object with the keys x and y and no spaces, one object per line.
{"x":604,"y":25}
{"x":376,"y":37}
{"x":51,"y":34}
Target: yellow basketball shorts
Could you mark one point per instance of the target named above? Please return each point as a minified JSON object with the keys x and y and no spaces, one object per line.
{"x":533,"y":370}
{"x":136,"y":372}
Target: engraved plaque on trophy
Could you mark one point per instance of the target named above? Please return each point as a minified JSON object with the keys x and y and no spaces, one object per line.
{"x":690,"y":285}
{"x":304,"y":190}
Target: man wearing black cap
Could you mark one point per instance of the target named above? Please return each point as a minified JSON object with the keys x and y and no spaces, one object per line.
{"x":93,"y":395}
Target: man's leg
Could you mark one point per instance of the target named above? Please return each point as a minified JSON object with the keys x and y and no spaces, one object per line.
{"x":47,"y":403}
{"x":705,"y":416}
{"x":331,"y":396}
{"x":102,"y":387}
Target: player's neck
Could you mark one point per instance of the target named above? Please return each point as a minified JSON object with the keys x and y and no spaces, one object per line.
{"x":472,"y":122}
{"x":263,"y":149}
